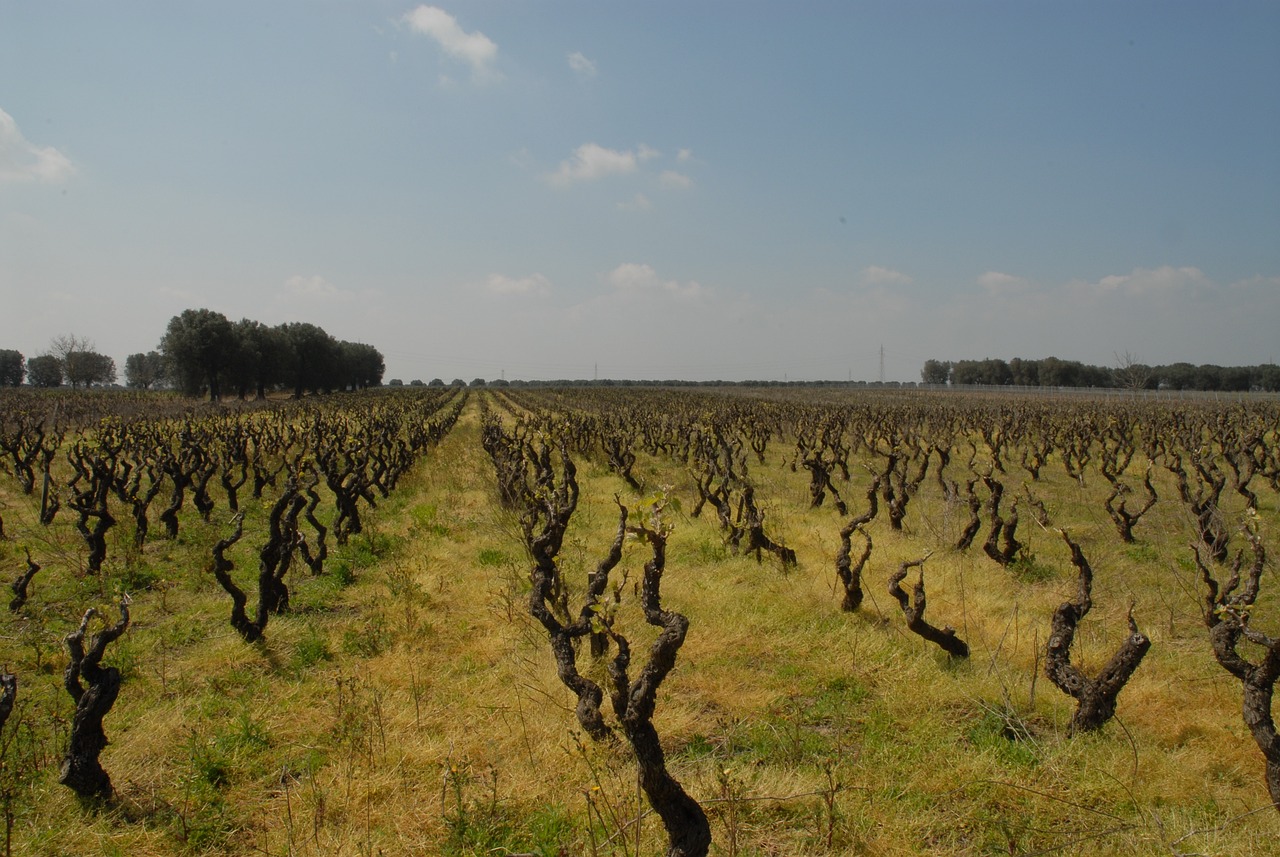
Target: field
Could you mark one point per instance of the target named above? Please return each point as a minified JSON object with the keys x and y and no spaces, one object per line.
{"x":405,"y":699}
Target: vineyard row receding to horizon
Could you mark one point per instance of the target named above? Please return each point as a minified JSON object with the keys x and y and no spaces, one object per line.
{"x":792,"y":619}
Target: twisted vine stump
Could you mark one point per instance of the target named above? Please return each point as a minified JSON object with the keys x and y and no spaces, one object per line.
{"x":751,"y":522}
{"x":849,"y":572}
{"x":1002,"y":543}
{"x":975,"y":521}
{"x":544,"y":523}
{"x":944,"y":637}
{"x":819,"y":467}
{"x":314,"y":559}
{"x":688,"y":831}
{"x":1203,"y":502}
{"x":1121,"y":516}
{"x":81,"y":770}
{"x":20,"y":584}
{"x":1227,"y":617}
{"x":1096,"y":697}
{"x":8,"y":696}
{"x":275,"y":560}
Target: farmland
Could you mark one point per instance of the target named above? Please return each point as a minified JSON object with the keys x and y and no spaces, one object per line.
{"x":437,"y":586}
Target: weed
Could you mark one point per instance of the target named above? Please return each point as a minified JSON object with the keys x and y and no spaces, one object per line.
{"x":1027,"y":569}
{"x":312,"y":649}
{"x":492,"y":558}
{"x":368,"y":640}
{"x":1142,"y":552}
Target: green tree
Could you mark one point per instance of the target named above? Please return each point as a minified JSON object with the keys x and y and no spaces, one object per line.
{"x":314,"y":356}
{"x":144,"y":371}
{"x":936,"y":372}
{"x":83,"y":368}
{"x":199,"y":346}
{"x":44,"y":370}
{"x":261,"y":358}
{"x":1025,"y":373}
{"x":362,"y":366}
{"x":12,"y":368}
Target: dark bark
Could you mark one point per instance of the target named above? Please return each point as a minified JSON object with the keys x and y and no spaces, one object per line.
{"x":222,"y":568}
{"x":819,"y":467}
{"x":275,"y":559}
{"x":94,"y":689}
{"x":1095,"y":697}
{"x":19,"y":586}
{"x":1202,"y":501}
{"x":1121,"y":516}
{"x":1002,"y":543}
{"x":314,"y":559}
{"x":975,"y":520}
{"x":1227,"y":617}
{"x":8,"y":696}
{"x":546,"y":585}
{"x":751,"y":523}
{"x":944,"y":637}
{"x":688,"y":830}
{"x":848,"y":571}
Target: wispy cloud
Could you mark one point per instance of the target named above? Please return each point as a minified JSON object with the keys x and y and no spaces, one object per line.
{"x":580,"y":64}
{"x":1152,"y":281}
{"x":635,"y":279}
{"x":673,"y":180}
{"x":23,"y":161}
{"x":639,"y":202}
{"x":591,"y":161}
{"x":875,"y":275}
{"x":534,"y":285}
{"x":316,"y":288}
{"x":997,"y":283}
{"x":474,"y":48}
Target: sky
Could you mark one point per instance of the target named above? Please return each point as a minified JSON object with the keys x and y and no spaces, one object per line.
{"x":662,"y":190}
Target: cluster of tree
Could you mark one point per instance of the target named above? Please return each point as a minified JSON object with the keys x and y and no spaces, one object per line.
{"x":204,"y":352}
{"x":1129,"y":374}
{"x":70,"y":359}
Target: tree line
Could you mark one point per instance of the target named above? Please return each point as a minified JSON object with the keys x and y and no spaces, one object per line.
{"x":205,"y":353}
{"x":202,"y":352}
{"x":70,"y":359}
{"x":1127,"y":374}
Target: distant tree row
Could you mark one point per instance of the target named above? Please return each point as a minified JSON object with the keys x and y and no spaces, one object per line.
{"x":204,"y":352}
{"x":1127,"y":374}
{"x":70,"y":359}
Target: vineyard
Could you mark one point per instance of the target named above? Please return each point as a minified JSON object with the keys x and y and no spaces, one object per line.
{"x":625,"y":621}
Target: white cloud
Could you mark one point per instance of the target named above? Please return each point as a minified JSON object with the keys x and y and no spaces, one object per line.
{"x":675,"y":181}
{"x":645,"y":153}
{"x":1149,"y":281}
{"x":591,"y":161}
{"x":582,"y":65}
{"x":315,"y":288}
{"x":1265,"y":284}
{"x":475,"y":48}
{"x":874,"y":275}
{"x":998,"y":283}
{"x":21,"y":160}
{"x":639,"y":203}
{"x":684,"y":155}
{"x":634,"y":279}
{"x":535,"y":285}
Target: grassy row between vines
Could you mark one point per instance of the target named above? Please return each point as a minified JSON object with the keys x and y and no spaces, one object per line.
{"x":409,"y":705}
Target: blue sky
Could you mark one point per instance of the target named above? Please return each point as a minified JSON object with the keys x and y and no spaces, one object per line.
{"x":689,"y":190}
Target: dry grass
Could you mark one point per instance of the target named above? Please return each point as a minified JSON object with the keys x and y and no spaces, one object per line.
{"x":415,"y":710}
